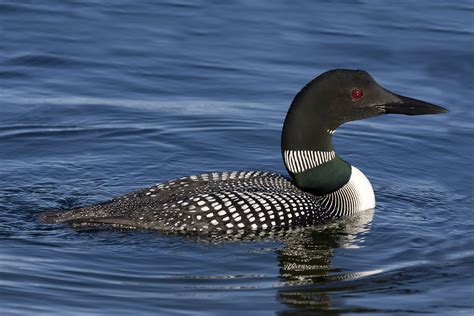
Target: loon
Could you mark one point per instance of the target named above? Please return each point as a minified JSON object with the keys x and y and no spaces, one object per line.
{"x":322,"y":186}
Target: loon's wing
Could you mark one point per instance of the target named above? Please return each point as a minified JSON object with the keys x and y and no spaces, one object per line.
{"x":208,"y":202}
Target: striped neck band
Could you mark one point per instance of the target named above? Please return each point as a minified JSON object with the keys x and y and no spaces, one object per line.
{"x":302,"y":160}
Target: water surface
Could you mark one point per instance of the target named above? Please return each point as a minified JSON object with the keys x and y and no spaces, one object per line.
{"x":98,"y":99}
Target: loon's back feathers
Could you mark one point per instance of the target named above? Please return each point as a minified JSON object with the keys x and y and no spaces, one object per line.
{"x":228,"y":201}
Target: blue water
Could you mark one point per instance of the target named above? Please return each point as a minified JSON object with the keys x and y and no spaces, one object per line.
{"x":98,"y":98}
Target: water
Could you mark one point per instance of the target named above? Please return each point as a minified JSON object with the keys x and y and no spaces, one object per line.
{"x":98,"y":99}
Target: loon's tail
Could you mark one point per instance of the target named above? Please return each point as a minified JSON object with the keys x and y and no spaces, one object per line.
{"x":58,"y":217}
{"x":52,"y":217}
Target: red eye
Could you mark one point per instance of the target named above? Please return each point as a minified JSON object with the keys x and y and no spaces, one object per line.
{"x":356,"y":94}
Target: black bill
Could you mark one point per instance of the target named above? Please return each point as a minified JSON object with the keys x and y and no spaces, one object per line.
{"x":410,"y":106}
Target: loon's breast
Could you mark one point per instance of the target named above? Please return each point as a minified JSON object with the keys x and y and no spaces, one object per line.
{"x":228,"y":201}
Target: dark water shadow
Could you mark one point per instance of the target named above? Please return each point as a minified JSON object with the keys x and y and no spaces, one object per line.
{"x":307,"y":275}
{"x":306,"y":265}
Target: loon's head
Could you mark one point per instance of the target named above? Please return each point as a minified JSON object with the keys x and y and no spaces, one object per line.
{"x":331,"y":99}
{"x":339,"y":96}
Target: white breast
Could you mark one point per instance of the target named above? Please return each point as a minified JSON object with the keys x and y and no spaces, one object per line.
{"x":355,"y":196}
{"x":363,"y":188}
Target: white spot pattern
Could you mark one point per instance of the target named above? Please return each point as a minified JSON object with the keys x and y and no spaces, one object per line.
{"x":228,"y":202}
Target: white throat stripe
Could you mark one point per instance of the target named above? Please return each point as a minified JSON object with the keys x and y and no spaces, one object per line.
{"x":302,"y":160}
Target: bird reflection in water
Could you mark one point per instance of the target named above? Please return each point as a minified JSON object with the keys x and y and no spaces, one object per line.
{"x":307,"y":275}
{"x":305,"y":263}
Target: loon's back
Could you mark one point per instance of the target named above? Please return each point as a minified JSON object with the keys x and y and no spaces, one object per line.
{"x":228,"y":201}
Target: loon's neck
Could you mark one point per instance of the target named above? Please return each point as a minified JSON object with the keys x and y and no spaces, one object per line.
{"x":307,"y":148}
{"x":316,"y":168}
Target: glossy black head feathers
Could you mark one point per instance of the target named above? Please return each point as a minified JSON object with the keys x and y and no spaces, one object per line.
{"x":341,"y":95}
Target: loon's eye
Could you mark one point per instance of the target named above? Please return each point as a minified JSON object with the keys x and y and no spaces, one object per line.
{"x":356,"y":94}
